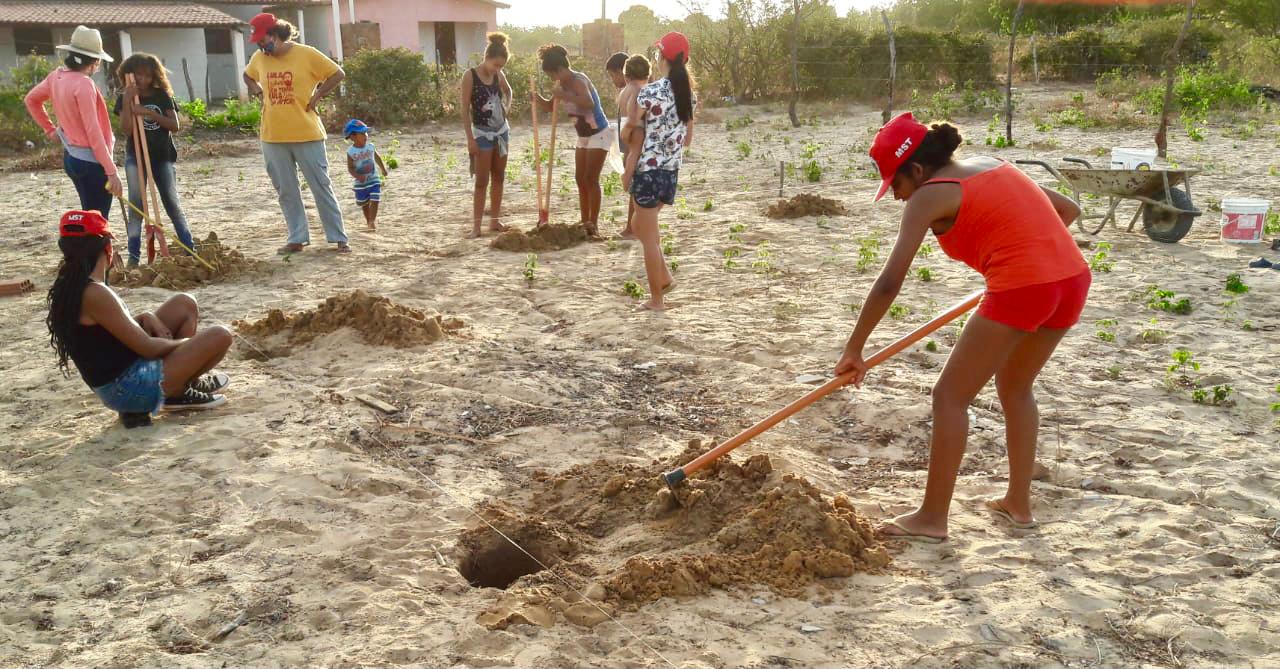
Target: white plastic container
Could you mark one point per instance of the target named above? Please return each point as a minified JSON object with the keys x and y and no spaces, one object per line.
{"x":1243,"y":219}
{"x":1132,"y":159}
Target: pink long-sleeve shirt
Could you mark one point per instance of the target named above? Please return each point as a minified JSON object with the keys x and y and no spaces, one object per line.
{"x":81,"y":113}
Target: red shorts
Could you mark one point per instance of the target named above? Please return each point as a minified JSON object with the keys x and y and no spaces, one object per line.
{"x":1056,"y":305}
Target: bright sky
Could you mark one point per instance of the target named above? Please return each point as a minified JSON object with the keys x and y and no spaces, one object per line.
{"x":528,"y":13}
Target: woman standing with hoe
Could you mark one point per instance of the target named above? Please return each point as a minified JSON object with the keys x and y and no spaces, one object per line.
{"x":579,"y":99}
{"x":485,"y":100}
{"x":989,"y":215}
{"x":83,"y":125}
{"x":292,"y":78}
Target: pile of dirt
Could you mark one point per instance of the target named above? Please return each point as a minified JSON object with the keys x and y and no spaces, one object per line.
{"x":180,"y":271}
{"x":550,"y":237}
{"x":622,"y":539}
{"x":806,"y":204}
{"x":380,"y":322}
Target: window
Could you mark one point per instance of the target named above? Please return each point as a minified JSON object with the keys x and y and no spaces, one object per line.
{"x":217,"y":40}
{"x":34,"y":39}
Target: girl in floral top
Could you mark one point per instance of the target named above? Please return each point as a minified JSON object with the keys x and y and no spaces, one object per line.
{"x":664,"y":109}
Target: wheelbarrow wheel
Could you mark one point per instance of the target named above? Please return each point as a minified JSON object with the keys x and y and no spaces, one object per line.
{"x":1163,"y":225}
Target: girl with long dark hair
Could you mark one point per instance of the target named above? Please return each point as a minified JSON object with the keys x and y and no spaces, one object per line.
{"x":579,"y":99}
{"x":485,"y":99}
{"x":664,"y":110}
{"x":135,"y":364}
{"x":989,"y":215}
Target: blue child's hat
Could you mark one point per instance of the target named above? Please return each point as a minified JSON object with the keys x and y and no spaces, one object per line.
{"x":353,"y":126}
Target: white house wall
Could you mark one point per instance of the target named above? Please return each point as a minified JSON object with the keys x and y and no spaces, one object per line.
{"x":320,"y":29}
{"x":427,"y":41}
{"x":172,"y":45}
{"x":471,"y":41}
{"x":8,"y":49}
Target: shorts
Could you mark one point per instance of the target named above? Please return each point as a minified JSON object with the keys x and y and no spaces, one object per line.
{"x":136,"y":390}
{"x":1056,"y":305}
{"x":654,"y":187}
{"x":370,"y":192}
{"x":602,"y":140}
{"x":489,"y":144}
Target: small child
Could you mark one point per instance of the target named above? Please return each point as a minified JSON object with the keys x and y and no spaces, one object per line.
{"x":635,"y":72}
{"x":160,"y":120}
{"x":361,"y":159}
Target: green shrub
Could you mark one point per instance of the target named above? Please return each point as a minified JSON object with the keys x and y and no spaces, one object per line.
{"x":236,"y":115}
{"x":1197,"y":90}
{"x":16,"y":126}
{"x":391,"y":86}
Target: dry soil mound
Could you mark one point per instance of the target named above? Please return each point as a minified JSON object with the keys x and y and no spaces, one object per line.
{"x":550,"y":237}
{"x":180,"y":271}
{"x":617,"y":535}
{"x":380,"y":322}
{"x":806,"y":204}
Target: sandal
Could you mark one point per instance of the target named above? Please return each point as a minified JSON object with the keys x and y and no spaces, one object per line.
{"x":908,"y":535}
{"x":1261,"y":263}
{"x":344,"y":248}
{"x":996,"y":508}
{"x":289,"y":249}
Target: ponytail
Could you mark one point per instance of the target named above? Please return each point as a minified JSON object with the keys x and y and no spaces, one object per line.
{"x":497,"y":46}
{"x":682,"y":84}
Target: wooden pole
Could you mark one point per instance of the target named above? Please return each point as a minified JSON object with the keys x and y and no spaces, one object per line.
{"x":1035,"y":59}
{"x":142,"y":154}
{"x":186,"y":74}
{"x":537,"y":147}
{"x":1171,"y":68}
{"x":1008,"y":77}
{"x":551,"y":161}
{"x":795,"y":66}
{"x":893,"y":67}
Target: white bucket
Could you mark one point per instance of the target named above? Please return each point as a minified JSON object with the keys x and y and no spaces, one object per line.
{"x":1243,"y":219}
{"x":1132,"y":159}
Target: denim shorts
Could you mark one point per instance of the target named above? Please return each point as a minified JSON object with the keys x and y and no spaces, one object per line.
{"x":136,"y":390}
{"x":654,"y":187}
{"x":489,"y":144}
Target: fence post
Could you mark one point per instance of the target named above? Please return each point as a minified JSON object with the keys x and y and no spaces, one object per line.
{"x":893,"y":67}
{"x":781,"y":174}
{"x":186,"y":74}
{"x":1171,"y":67}
{"x":1035,"y":59}
{"x":1008,"y":77}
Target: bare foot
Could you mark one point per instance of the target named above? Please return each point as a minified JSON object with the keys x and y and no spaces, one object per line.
{"x":497,"y":227}
{"x":671,"y":285}
{"x":652,"y":306}
{"x":913,"y":528}
{"x":474,"y":234}
{"x":372,"y":226}
{"x":627,"y":234}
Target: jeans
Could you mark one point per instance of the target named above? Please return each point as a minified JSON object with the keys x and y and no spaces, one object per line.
{"x":283,"y":161}
{"x":137,"y":390}
{"x":167,"y":184}
{"x":91,"y":183}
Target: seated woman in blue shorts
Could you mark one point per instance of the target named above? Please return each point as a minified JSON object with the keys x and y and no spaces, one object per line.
{"x":136,"y":365}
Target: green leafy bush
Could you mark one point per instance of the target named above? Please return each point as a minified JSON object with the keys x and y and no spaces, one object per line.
{"x":16,"y":126}
{"x":235,"y":115}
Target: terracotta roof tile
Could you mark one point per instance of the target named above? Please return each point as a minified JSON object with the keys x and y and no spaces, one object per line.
{"x":98,"y":14}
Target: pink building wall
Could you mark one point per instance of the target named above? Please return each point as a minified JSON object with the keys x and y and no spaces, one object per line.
{"x":399,"y":19}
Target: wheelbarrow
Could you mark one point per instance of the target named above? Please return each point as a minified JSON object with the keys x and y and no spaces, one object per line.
{"x":1166,"y":211}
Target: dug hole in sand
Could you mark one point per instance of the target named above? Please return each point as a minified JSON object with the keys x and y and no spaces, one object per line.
{"x":616,"y":536}
{"x":379,"y":321}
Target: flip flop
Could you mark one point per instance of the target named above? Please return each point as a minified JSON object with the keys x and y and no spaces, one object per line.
{"x":290,"y":249}
{"x":344,"y":248}
{"x":1261,"y":263}
{"x":994,"y":507}
{"x":909,"y":535}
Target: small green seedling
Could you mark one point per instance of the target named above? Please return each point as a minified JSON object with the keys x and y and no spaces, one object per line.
{"x":1113,"y":372}
{"x":1106,"y":330}
{"x":633,"y":290}
{"x":868,"y":253}
{"x":1163,"y":300}
{"x":708,"y":205}
{"x":899,"y":311}
{"x":931,"y":346}
{"x":530,"y":268}
{"x":924,"y":274}
{"x":925,"y":250}
{"x":729,"y":255}
{"x":1183,"y":360}
{"x":673,"y":264}
{"x":1100,"y":261}
{"x":1235,"y":285}
{"x":744,"y":149}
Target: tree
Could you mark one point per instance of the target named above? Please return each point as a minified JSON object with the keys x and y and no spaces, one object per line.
{"x":640,"y":27}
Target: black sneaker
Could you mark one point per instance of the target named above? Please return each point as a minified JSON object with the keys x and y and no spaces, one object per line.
{"x":210,"y":383}
{"x":193,"y":399}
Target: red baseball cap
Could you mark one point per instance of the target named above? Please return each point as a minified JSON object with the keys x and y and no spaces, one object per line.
{"x":77,"y":223}
{"x":673,"y":44}
{"x":261,"y":24}
{"x":893,"y":145}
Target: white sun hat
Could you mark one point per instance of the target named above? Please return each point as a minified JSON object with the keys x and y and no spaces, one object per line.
{"x":88,"y":42}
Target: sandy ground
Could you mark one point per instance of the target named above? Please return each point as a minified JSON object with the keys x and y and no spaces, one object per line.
{"x":335,"y":532}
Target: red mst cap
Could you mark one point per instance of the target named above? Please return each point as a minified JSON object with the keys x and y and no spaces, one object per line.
{"x":77,"y":223}
{"x":673,"y":44}
{"x":893,"y":145}
{"x":261,"y":24}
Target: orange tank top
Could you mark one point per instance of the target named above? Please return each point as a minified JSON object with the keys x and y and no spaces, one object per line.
{"x":1008,"y":230}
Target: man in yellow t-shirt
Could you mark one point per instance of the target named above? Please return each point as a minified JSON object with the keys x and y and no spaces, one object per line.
{"x":292,"y":78}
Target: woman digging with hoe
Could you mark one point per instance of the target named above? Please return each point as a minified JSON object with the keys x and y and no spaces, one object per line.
{"x":135,"y":364}
{"x":579,"y":99}
{"x":485,"y":102}
{"x":989,"y":215}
